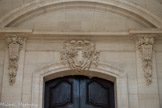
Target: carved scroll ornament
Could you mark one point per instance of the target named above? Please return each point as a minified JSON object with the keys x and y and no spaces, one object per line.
{"x":145,"y":45}
{"x":15,"y":43}
{"x":80,"y":55}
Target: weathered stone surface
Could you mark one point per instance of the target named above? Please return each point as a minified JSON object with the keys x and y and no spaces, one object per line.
{"x":103,"y":23}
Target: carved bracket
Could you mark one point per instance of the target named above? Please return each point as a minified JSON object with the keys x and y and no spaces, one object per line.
{"x":80,"y":54}
{"x":15,"y":44}
{"x":145,"y":45}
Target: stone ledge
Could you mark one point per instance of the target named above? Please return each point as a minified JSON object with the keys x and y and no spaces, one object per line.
{"x":35,"y":33}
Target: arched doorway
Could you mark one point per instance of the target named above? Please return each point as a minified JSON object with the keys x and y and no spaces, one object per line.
{"x":79,"y":92}
{"x":57,"y":70}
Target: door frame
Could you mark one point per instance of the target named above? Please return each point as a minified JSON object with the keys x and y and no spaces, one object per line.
{"x":103,"y":70}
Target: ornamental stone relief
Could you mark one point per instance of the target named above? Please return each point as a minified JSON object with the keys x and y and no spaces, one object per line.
{"x":145,"y":45}
{"x":80,"y":54}
{"x":15,"y":44}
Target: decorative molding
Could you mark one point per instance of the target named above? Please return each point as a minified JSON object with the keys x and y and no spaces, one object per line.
{"x":145,"y":45}
{"x":15,"y":44}
{"x":80,"y":54}
{"x":36,"y":6}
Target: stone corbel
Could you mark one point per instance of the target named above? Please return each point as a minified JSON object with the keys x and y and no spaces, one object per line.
{"x":145,"y":45}
{"x":15,"y":44}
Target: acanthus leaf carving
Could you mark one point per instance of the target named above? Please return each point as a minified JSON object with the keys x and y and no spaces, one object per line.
{"x":15,"y":44}
{"x":145,"y":45}
{"x":80,"y":54}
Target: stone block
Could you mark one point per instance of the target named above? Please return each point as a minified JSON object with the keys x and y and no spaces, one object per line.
{"x":133,"y":101}
{"x":39,"y":57}
{"x":147,"y":100}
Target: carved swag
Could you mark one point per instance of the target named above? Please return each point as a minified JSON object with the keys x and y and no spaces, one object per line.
{"x":15,"y":43}
{"x":79,"y":55}
{"x":145,"y":45}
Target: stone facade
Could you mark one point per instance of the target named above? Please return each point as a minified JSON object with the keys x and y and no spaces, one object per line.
{"x":116,"y":40}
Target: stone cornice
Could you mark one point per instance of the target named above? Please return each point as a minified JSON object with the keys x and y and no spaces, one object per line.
{"x":46,"y":34}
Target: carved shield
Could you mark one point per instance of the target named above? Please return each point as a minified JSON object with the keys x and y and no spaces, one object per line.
{"x":78,"y":54}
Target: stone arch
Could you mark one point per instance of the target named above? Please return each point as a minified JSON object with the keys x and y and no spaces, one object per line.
{"x":103,"y":70}
{"x":129,"y":8}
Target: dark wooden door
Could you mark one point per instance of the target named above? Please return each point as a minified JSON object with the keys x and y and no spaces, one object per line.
{"x":79,"y":92}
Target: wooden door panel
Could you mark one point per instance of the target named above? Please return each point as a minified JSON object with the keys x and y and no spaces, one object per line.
{"x":79,"y":92}
{"x":96,"y":93}
{"x":62,"y":93}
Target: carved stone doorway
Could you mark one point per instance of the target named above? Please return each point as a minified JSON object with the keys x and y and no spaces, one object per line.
{"x":58,"y":70}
